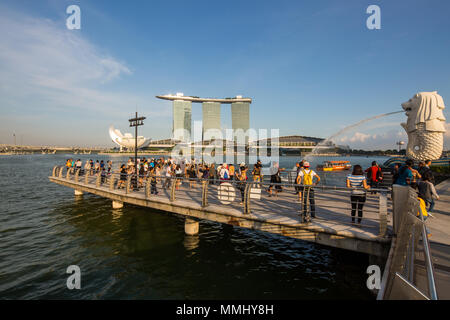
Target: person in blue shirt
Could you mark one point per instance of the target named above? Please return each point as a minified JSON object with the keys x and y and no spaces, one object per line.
{"x":405,"y":174}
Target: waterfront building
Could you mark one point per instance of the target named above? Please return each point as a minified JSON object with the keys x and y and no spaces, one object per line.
{"x":211,"y":116}
{"x":182,"y":111}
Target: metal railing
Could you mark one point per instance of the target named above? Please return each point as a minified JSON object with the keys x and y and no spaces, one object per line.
{"x":400,"y":279}
{"x":327,"y":203}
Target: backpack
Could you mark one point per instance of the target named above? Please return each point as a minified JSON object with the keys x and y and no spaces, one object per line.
{"x":307,"y":178}
{"x":225,"y":174}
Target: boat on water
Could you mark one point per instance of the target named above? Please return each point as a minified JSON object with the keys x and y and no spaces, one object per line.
{"x":334,"y":166}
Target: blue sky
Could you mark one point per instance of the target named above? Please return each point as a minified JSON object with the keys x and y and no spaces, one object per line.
{"x":311,"y":67}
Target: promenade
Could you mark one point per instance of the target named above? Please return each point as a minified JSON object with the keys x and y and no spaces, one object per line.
{"x":278,"y":214}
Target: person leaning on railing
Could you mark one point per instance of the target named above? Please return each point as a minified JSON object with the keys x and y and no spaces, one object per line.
{"x":357,"y":181}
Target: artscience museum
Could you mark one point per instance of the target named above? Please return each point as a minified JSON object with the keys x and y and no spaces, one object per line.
{"x":127,"y":140}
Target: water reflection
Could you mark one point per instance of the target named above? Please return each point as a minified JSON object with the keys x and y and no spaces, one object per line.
{"x":191,"y":242}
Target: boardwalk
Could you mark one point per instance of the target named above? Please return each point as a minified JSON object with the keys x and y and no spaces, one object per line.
{"x":279,"y":214}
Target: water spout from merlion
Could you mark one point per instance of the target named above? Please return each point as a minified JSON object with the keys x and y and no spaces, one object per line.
{"x":347,"y":128}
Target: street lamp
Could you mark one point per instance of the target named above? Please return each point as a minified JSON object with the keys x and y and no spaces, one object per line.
{"x":136,"y":122}
{"x":399,"y":143}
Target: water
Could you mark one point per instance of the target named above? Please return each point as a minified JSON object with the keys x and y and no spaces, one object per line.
{"x":139,"y":253}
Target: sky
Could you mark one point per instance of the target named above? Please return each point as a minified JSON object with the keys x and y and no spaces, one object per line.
{"x":311,"y":67}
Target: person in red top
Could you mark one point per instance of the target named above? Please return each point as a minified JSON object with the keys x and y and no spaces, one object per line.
{"x":374,"y":176}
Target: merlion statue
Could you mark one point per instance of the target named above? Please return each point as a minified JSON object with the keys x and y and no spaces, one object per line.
{"x":425,"y":126}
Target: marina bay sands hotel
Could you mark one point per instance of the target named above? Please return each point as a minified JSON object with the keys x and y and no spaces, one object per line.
{"x":182,"y":110}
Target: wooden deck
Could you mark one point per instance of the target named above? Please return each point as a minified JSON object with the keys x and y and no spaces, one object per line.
{"x":278,"y":214}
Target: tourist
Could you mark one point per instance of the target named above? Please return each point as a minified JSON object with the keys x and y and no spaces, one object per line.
{"x":79,"y":164}
{"x":91,"y":162}
{"x":103,"y":175}
{"x":87,"y":167}
{"x":153,"y":181}
{"x":427,"y":169}
{"x":205,"y":172}
{"x":374,"y":175}
{"x":298,"y":188}
{"x":97,"y":166}
{"x":68,"y":164}
{"x":212,"y":173}
{"x":241,"y":176}
{"x":141,"y":176}
{"x":306,"y":178}
{"x":405,"y":174}
{"x":109,"y":167}
{"x":357,"y":181}
{"x":224,"y":173}
{"x":395,"y":173}
{"x":123,"y":177}
{"x":168,"y":174}
{"x":179,"y":175}
{"x":231,"y":170}
{"x":191,"y":175}
{"x":427,"y":191}
{"x":256,"y":173}
{"x":275,"y":178}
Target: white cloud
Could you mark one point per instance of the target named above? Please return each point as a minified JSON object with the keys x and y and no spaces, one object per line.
{"x":42,"y":62}
{"x":47,"y":69}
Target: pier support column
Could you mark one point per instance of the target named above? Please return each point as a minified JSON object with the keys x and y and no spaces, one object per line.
{"x":191,"y":227}
{"x":78,"y":193}
{"x":117,"y":204}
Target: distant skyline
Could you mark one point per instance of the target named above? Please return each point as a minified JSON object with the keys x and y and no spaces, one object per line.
{"x":311,"y":67}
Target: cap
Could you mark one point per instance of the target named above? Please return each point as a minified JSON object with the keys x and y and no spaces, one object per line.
{"x":242,"y":164}
{"x":306,"y":164}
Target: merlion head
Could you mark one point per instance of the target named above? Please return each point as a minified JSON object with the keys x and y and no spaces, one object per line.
{"x":426,"y":108}
{"x":425,"y":125}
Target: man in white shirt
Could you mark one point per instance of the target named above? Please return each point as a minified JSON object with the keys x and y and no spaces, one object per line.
{"x":306,"y":178}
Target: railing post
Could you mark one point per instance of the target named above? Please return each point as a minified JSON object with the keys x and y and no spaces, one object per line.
{"x":382,"y":213}
{"x":86,"y":177}
{"x":60,"y":174}
{"x":204,"y":193}
{"x":112,"y":180}
{"x":147,"y":187}
{"x":127,"y":189}
{"x":77,"y":173}
{"x":97,"y":181}
{"x":54,"y":171}
{"x":248,"y":188}
{"x":68,"y":173}
{"x":172,"y":189}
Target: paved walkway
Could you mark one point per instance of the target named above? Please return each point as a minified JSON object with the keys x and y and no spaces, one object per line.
{"x":278,"y":214}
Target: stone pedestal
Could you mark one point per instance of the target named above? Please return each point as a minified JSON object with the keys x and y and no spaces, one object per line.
{"x":78,"y":193}
{"x":191,"y":227}
{"x":117,"y":204}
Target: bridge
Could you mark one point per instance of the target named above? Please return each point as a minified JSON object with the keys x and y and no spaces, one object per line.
{"x":390,"y":231}
{"x":17,"y":149}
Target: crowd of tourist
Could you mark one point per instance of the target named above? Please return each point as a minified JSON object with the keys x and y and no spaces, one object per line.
{"x":168,"y":171}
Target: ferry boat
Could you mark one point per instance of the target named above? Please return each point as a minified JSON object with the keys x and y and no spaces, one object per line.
{"x":334,"y":166}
